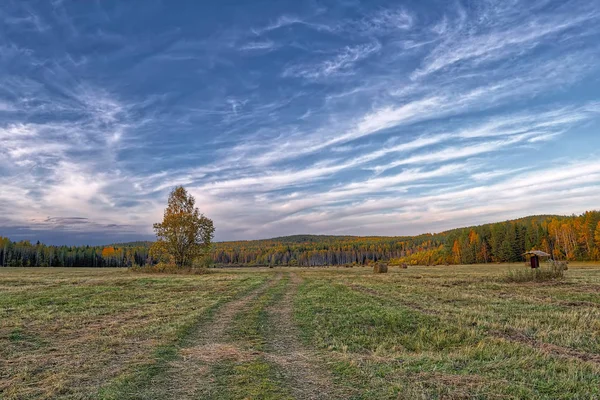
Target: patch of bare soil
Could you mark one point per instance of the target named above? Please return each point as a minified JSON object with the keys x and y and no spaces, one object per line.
{"x":302,"y":367}
{"x":191,"y":370}
{"x":548,"y":348}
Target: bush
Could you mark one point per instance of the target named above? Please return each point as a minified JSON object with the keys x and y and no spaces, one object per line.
{"x":555,"y":270}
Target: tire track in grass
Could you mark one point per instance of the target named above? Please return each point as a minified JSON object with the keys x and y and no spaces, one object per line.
{"x":191,"y":370}
{"x":514,"y":335}
{"x":401,"y":368}
{"x":302,"y":368}
{"x":249,"y":374}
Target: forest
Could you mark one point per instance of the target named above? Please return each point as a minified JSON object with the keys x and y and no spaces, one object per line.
{"x":571,"y":238}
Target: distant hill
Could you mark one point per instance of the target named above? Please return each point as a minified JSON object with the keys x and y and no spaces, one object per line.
{"x":309,"y":238}
{"x":144,"y":243}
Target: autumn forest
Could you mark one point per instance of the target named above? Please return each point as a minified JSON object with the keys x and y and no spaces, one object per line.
{"x":566,"y":238}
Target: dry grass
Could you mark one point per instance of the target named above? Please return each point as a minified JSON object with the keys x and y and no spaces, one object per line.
{"x":164,"y":268}
{"x":550,"y":272}
{"x":423,"y":332}
{"x":398,"y":335}
{"x":67,"y":332}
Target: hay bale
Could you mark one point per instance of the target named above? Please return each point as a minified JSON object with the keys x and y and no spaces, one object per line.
{"x":563,"y":265}
{"x":380,"y":268}
{"x":559,"y":265}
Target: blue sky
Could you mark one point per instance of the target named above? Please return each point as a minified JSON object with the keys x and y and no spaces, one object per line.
{"x":283,"y":117}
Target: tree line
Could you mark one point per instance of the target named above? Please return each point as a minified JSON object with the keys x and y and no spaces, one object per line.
{"x":574,"y":238}
{"x":26,"y":254}
{"x":565,"y":238}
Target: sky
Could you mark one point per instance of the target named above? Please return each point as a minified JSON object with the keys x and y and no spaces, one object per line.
{"x":295,"y":117}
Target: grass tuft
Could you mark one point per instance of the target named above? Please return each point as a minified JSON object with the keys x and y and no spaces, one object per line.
{"x":554,"y":271}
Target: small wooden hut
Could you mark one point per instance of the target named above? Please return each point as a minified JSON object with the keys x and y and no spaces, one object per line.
{"x":535,"y":256}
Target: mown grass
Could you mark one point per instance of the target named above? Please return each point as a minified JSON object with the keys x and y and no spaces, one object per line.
{"x":70,"y":332}
{"x":425,"y":332}
{"x":453,"y":333}
{"x":253,"y":377}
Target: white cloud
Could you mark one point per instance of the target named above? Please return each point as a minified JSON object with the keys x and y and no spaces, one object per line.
{"x":258,"y":46}
{"x":341,"y":64}
{"x":511,"y":37}
{"x":401,"y":122}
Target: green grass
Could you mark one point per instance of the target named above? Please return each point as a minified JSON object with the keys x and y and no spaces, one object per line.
{"x":132,"y":384}
{"x":254,"y":377}
{"x":68,"y":332}
{"x":452,"y":332}
{"x":425,"y":332}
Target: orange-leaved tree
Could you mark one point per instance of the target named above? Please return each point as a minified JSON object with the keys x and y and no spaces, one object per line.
{"x":184,"y":235}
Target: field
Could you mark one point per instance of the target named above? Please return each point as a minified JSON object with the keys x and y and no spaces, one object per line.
{"x":293,"y":333}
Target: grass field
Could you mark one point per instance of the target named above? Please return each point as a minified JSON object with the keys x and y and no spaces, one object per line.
{"x":291,"y":333}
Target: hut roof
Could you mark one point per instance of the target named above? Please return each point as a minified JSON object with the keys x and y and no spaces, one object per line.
{"x":537,"y":253}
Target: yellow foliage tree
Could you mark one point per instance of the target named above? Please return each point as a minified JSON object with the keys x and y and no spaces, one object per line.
{"x":108,"y":252}
{"x":184,"y":235}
